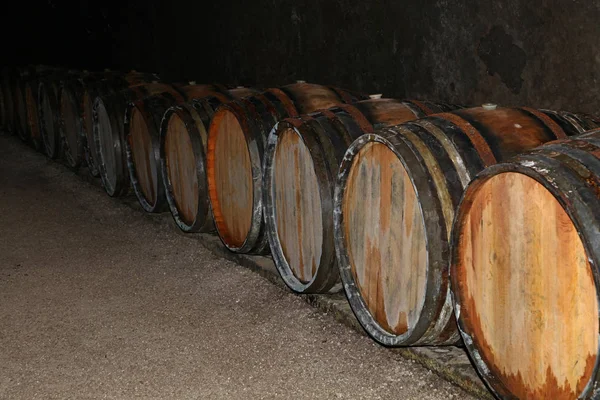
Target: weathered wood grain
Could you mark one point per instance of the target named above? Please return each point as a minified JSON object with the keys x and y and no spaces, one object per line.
{"x":181,"y":169}
{"x":385,"y":238}
{"x":298,"y":206}
{"x":528,"y":294}
{"x":441,"y":154}
{"x":230,"y":166}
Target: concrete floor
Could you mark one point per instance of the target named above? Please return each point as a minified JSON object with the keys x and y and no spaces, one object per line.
{"x":97,"y":302}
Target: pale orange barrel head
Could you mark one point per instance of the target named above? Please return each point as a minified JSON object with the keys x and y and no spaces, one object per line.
{"x":230,"y":179}
{"x":527,"y":294}
{"x":143,"y":155}
{"x":181,"y":169}
{"x":297,"y":206}
{"x":385,"y":238}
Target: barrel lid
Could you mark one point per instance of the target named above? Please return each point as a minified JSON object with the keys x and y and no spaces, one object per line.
{"x":375,"y":96}
{"x":489,"y":106}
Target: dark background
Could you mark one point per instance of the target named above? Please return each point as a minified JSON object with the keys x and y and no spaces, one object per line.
{"x":513,"y":52}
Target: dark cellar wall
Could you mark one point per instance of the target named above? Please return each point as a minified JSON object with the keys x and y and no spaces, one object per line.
{"x":540,"y":53}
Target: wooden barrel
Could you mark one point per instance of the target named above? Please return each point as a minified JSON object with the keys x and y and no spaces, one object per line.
{"x":20,"y":107}
{"x":183,"y":135}
{"x":49,"y":116}
{"x":33,"y":124}
{"x":301,"y":162}
{"x":236,"y":142}
{"x":109,"y":133}
{"x":105,"y":83}
{"x":142,"y":132}
{"x":71,"y":124}
{"x":394,"y":203}
{"x":525,"y":257}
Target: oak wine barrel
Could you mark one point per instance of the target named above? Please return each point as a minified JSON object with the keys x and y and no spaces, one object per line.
{"x":301,"y":162}
{"x":49,"y":116}
{"x":71,"y":125}
{"x":525,"y":277}
{"x":32,"y":101}
{"x":142,"y":133}
{"x":33,"y":123}
{"x":394,"y":203}
{"x":236,"y":142}
{"x":183,"y":136}
{"x":109,"y":133}
{"x":97,"y":84}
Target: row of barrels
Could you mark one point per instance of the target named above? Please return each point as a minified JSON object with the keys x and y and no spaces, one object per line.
{"x":442,"y":224}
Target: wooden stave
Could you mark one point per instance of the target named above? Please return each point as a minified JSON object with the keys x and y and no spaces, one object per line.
{"x":282,"y":102}
{"x":196,"y":115}
{"x":474,"y":164}
{"x":579,"y":197}
{"x":115,"y":104}
{"x":152,"y":109}
{"x":348,"y":122}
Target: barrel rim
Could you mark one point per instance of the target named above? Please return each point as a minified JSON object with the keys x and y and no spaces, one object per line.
{"x":551,"y":182}
{"x":183,"y":111}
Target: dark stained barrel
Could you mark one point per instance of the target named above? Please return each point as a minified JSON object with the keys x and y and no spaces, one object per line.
{"x":97,"y":84}
{"x":109,"y":133}
{"x":525,"y":277}
{"x":142,"y":132}
{"x":28,"y":107}
{"x":394,"y":203}
{"x":72,"y":131}
{"x":301,"y":162}
{"x":49,"y":116}
{"x":183,"y":137}
{"x":33,"y":123}
{"x":236,"y":142}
